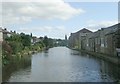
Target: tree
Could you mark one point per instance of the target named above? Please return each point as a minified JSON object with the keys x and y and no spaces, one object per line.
{"x":16,"y":46}
{"x":41,"y":38}
{"x":45,"y":41}
{"x":31,"y":35}
{"x":25,"y":39}
{"x":51,"y":42}
{"x":14,"y":37}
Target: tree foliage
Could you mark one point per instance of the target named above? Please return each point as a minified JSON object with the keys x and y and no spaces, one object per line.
{"x":6,"y":49}
{"x":25,"y":39}
{"x":45,"y":41}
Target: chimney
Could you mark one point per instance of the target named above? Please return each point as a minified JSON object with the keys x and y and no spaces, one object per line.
{"x":5,"y":29}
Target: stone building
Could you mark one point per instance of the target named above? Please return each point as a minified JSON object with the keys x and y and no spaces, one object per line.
{"x":105,"y":40}
{"x":117,"y":35}
{"x":107,"y":36}
{"x":6,"y":33}
{"x":76,"y":39}
{"x":72,"y":40}
{"x":3,"y":34}
{"x":82,"y":38}
{"x":90,"y":46}
{"x":117,"y":42}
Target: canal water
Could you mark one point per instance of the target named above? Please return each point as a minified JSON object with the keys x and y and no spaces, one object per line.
{"x":61,"y":64}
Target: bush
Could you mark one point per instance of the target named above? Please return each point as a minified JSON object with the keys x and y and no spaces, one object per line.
{"x":16,"y":46}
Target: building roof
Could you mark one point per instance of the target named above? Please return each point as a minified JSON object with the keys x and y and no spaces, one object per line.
{"x":84,"y":30}
{"x":5,"y":31}
{"x":111,"y":29}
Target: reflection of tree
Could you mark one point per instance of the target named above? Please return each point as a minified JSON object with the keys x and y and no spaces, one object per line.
{"x":46,"y":53}
{"x":15,"y":65}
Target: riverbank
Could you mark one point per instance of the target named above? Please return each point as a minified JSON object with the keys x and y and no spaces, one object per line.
{"x":27,"y":51}
{"x":21,"y":60}
{"x":112,"y":59}
{"x":15,"y":63}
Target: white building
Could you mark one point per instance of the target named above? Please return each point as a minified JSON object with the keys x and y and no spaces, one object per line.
{"x":34,"y":40}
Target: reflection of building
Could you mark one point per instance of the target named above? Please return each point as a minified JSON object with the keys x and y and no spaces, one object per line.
{"x":109,"y":69}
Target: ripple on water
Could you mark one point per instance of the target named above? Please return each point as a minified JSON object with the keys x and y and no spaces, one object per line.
{"x":58,"y":64}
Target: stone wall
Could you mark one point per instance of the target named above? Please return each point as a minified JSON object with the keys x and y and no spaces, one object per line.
{"x":103,"y":41}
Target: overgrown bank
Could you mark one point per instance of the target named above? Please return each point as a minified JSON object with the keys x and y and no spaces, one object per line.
{"x":19,"y":45}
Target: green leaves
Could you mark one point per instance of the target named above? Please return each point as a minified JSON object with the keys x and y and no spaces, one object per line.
{"x":45,"y":41}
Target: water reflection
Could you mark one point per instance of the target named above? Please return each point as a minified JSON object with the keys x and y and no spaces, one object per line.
{"x":16,"y":64}
{"x":46,"y":53}
{"x":109,"y":70}
{"x":61,"y":64}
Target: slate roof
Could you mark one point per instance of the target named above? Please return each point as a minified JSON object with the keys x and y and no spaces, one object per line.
{"x":111,"y":29}
{"x":84,"y":30}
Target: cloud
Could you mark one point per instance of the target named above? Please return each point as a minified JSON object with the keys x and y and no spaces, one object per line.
{"x":51,"y":31}
{"x":22,"y":12}
{"x":54,"y":31}
{"x":45,"y":29}
{"x":95,"y":25}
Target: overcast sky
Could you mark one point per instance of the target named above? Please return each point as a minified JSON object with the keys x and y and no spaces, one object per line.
{"x":57,"y":18}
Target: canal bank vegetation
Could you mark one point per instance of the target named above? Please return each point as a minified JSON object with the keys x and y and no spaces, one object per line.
{"x":19,"y":45}
{"x":15,"y":63}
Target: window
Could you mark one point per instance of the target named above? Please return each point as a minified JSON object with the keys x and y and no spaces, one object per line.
{"x":102,"y":42}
